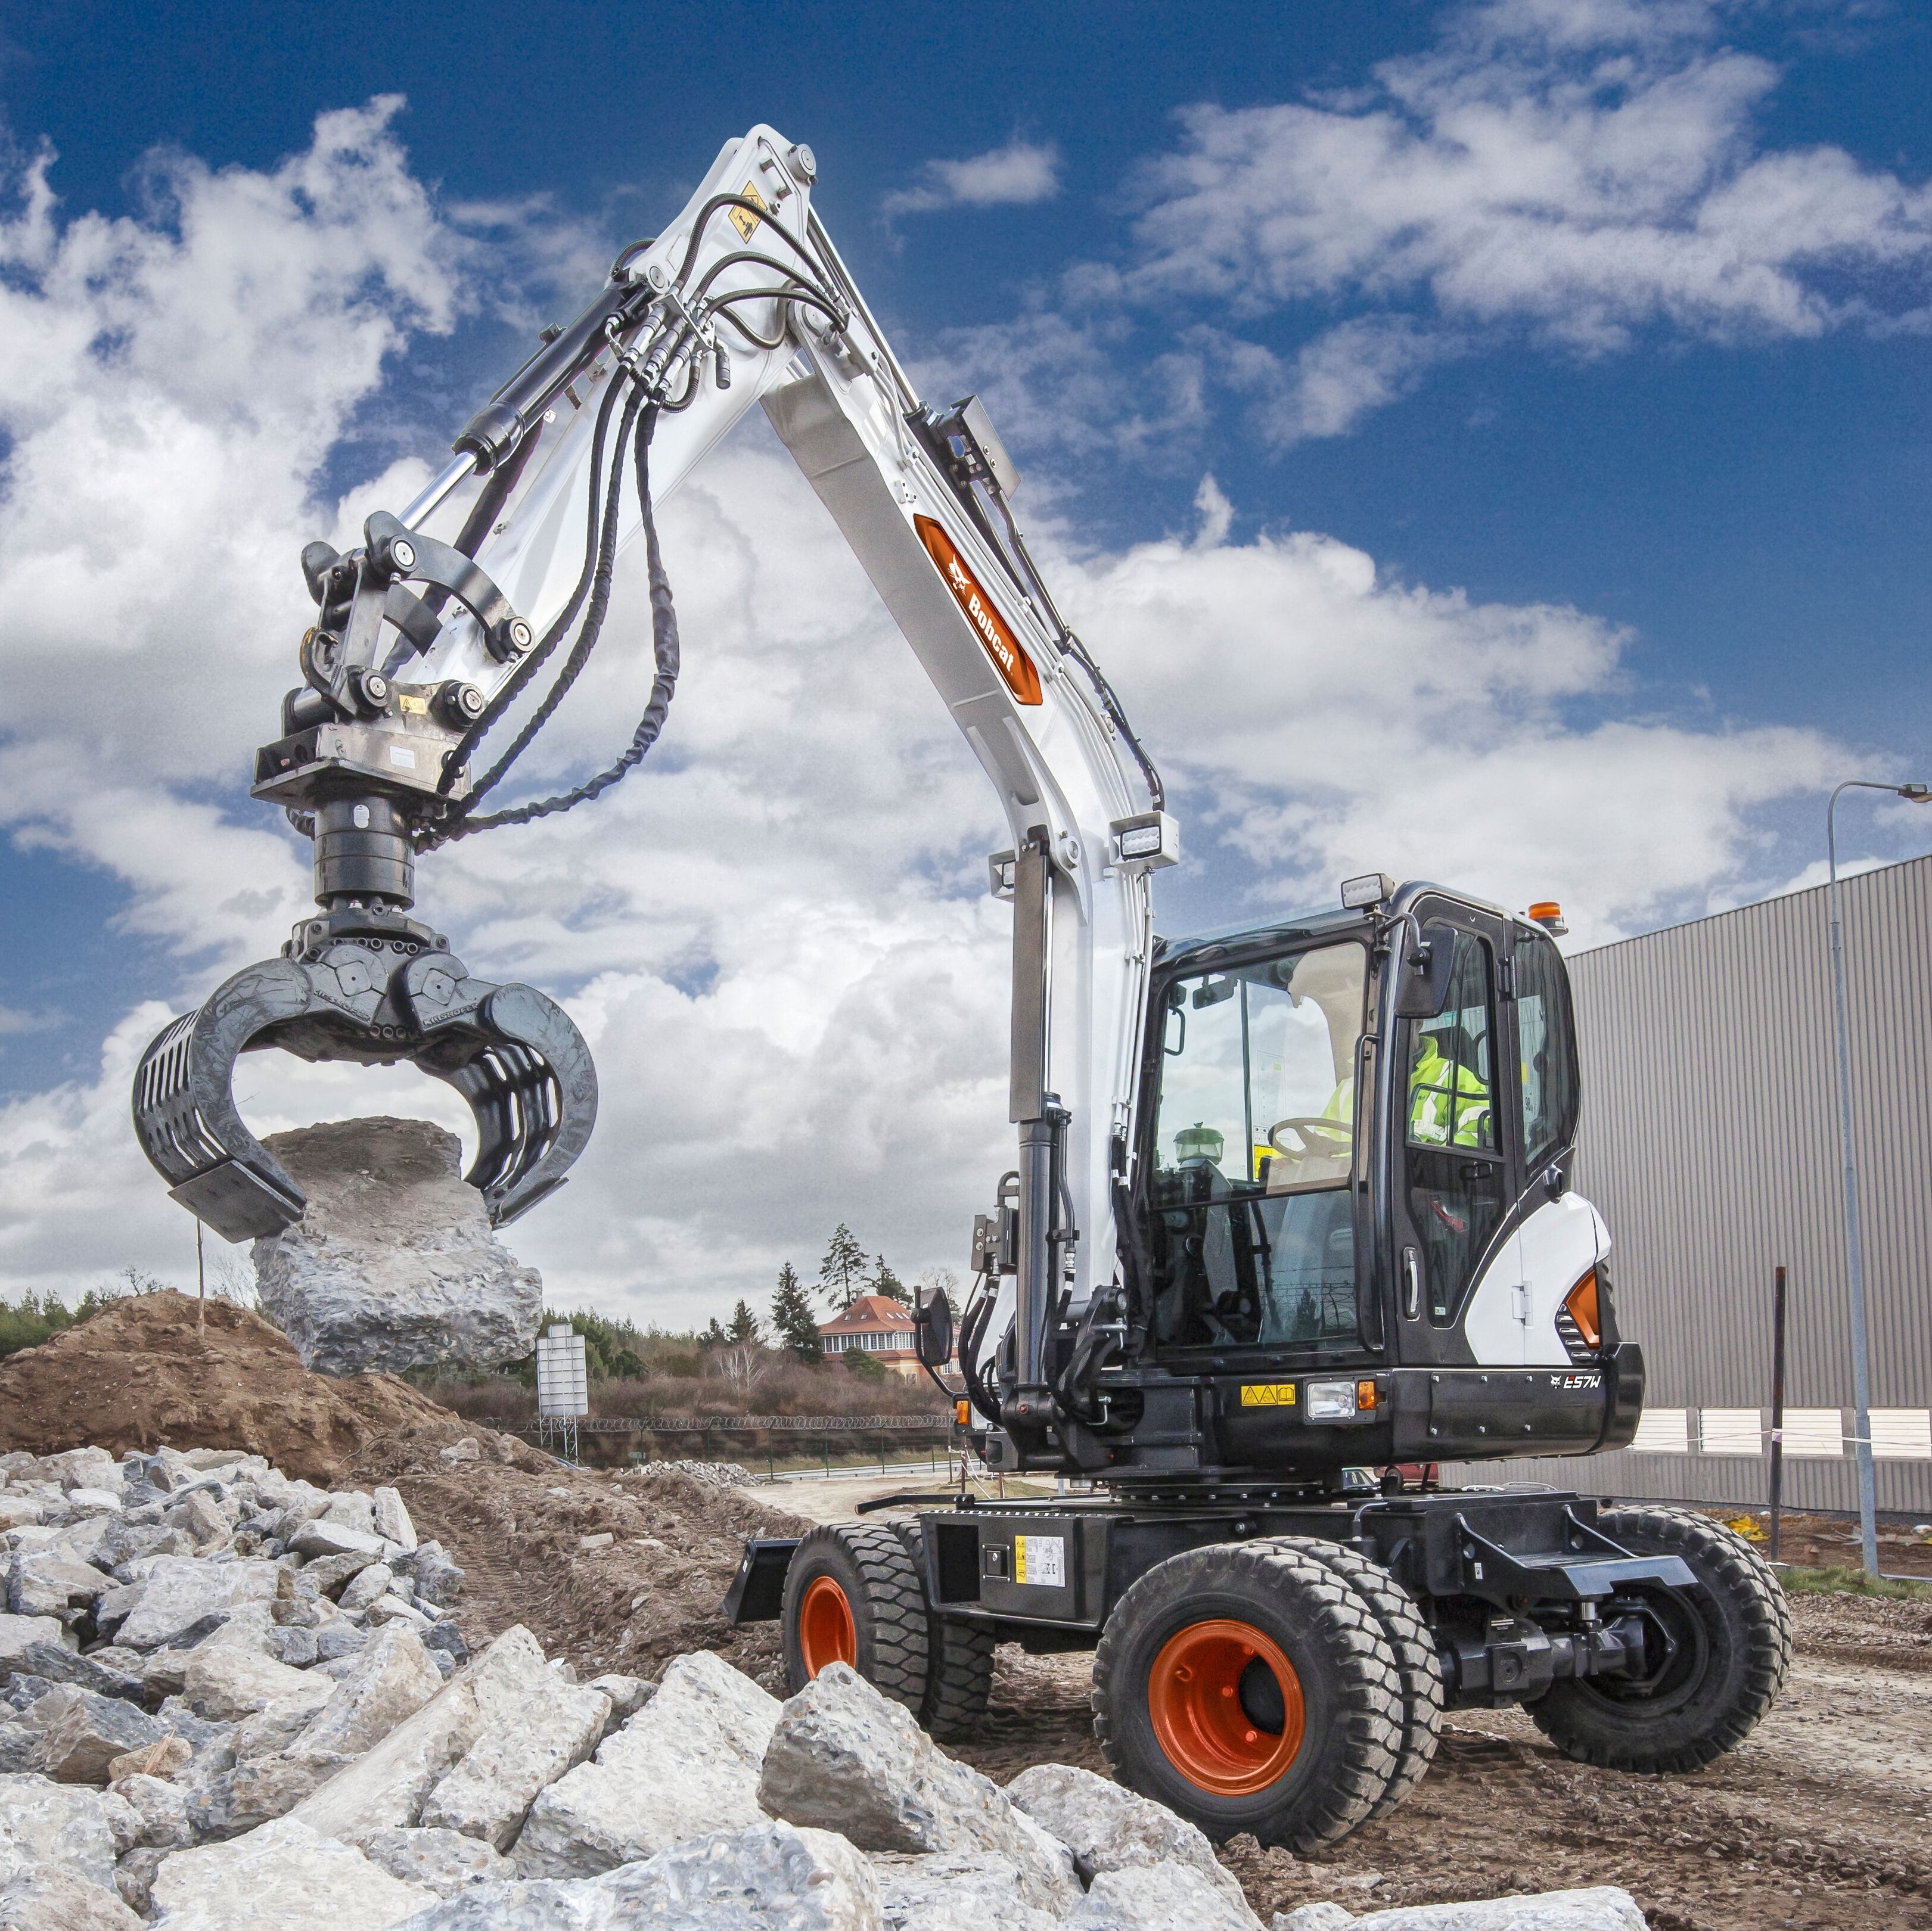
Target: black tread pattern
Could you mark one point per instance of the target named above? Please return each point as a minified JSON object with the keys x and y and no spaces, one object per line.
{"x":1742,"y":1577}
{"x":959,"y":1661}
{"x":1417,"y":1664}
{"x":1361,"y":1670}
{"x":888,"y":1605}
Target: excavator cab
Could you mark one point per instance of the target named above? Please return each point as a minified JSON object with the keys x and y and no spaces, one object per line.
{"x":1352,"y":1240}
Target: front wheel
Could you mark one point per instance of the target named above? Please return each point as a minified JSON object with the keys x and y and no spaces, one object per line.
{"x":852,"y":1595}
{"x":1714,"y":1658}
{"x":1249,"y":1687}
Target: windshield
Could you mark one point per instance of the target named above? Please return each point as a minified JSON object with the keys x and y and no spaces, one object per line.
{"x":1255,"y":1144}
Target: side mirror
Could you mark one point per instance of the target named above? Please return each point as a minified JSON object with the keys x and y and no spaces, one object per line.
{"x":1425,"y":969}
{"x":932,"y":1331}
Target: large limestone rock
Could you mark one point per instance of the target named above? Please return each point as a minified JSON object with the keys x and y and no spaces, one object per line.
{"x":1109,"y":1828}
{"x":284,"y":1875}
{"x":82,"y":1734}
{"x":394,"y":1265}
{"x":771,"y":1878}
{"x":392,"y":1678}
{"x":844,"y":1758}
{"x":1156,"y":1897}
{"x":955,"y":1891}
{"x":687,"y":1763}
{"x":493,"y":1721}
{"x":444,"y":1861}
{"x":44,"y":1898}
{"x":1600,"y":1907}
{"x":82,"y":1831}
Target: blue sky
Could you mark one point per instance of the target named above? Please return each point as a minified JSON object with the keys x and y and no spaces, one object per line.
{"x":1598,"y":333}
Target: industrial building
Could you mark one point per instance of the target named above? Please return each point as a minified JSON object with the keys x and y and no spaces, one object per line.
{"x":1709,"y":1139}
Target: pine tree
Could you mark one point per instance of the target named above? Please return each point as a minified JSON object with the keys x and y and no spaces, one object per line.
{"x":744,"y":1329}
{"x":841,"y":1274}
{"x":885,"y":1282}
{"x":793,"y":1322}
{"x":714,"y":1336}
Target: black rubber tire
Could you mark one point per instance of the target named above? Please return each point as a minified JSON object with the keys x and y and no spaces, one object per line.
{"x":1417,"y":1664}
{"x":1351,"y":1688}
{"x":882,"y":1586}
{"x":959,"y":1661}
{"x":1746,"y":1651}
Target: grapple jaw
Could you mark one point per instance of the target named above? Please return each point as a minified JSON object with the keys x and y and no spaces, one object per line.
{"x":383,"y":990}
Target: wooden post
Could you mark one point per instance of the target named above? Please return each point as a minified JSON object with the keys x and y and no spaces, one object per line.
{"x":1776,"y":1406}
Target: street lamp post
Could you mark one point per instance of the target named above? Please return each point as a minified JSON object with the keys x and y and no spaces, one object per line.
{"x":1855,"y":1266}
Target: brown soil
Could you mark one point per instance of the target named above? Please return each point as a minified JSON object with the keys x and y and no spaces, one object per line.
{"x":651,"y":1595}
{"x":160,"y":1368}
{"x":1825,"y":1542}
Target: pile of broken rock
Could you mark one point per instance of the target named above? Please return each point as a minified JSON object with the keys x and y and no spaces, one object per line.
{"x":232,"y":1705}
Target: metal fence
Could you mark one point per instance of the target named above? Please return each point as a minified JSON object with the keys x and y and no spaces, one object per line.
{"x":1709,"y":1141}
{"x":751,"y":1438}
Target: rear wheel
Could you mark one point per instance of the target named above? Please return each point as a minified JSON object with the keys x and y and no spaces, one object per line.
{"x":1418,"y":1668}
{"x":852,"y":1595}
{"x":1714,"y":1657}
{"x":1248,"y":1686}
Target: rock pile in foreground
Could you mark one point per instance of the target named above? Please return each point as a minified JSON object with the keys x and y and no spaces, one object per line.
{"x":394,"y":1265}
{"x":231,"y":1700}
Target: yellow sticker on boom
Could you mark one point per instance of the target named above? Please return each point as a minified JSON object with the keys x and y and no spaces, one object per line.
{"x":742,"y":219}
{"x":1267,"y":1394}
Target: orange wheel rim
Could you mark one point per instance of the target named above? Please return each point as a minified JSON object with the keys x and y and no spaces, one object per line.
{"x":1210,"y":1733}
{"x":826,"y":1631}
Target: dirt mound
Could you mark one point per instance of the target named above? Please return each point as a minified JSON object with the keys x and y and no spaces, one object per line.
{"x":650,"y":1593}
{"x":145,"y":1371}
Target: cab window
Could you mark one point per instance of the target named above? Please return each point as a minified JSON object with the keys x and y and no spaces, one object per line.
{"x":1547,"y":1044}
{"x":1455,"y":1168}
{"x":1252,"y":1225}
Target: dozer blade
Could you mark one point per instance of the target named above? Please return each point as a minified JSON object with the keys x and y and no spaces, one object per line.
{"x":513,"y":1055}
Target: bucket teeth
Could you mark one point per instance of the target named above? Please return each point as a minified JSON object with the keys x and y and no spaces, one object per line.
{"x":513,"y":1054}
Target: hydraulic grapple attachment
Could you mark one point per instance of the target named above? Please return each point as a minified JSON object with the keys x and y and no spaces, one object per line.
{"x":377,"y":998}
{"x":365,"y":763}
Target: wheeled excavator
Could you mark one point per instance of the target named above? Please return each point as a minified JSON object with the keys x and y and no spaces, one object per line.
{"x":1290,"y":1202}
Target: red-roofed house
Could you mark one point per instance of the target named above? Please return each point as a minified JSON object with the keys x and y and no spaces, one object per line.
{"x":878,"y":1324}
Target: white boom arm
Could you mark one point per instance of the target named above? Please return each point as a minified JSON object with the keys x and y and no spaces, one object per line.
{"x":965,"y":599}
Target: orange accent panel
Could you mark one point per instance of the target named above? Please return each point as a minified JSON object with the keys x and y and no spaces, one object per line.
{"x":992,"y":629}
{"x":1194,"y":1702}
{"x":1581,"y":1300}
{"x":826,"y":1634}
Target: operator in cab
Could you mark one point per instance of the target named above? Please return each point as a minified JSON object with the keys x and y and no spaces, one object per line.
{"x":1448,"y":1100}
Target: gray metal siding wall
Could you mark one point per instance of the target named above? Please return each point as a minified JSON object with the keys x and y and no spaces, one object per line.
{"x":1709,"y":1141}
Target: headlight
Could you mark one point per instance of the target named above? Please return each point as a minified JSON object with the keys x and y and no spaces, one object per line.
{"x":1329,"y":1401}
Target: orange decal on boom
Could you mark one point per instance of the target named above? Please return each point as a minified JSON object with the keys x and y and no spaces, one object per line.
{"x":1002,"y":647}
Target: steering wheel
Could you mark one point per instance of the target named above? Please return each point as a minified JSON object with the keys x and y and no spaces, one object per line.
{"x":1319,"y":1138}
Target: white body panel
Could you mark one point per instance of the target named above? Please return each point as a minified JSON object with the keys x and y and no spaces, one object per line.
{"x":840,"y":405}
{"x":1510,"y":1318}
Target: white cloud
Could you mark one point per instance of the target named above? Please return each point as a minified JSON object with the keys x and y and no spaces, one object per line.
{"x":1579,"y":175}
{"x":776,"y":935}
{"x":1021,"y":172}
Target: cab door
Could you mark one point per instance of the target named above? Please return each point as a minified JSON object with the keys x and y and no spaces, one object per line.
{"x":1455,"y":1164}
{"x":1559,"y":1236}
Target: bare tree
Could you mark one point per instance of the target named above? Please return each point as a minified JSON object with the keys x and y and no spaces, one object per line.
{"x":744,"y":1364}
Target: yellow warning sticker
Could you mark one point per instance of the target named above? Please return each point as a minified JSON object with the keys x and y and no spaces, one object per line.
{"x":1040,"y":1560}
{"x":742,"y":219}
{"x":1267,"y":1394}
